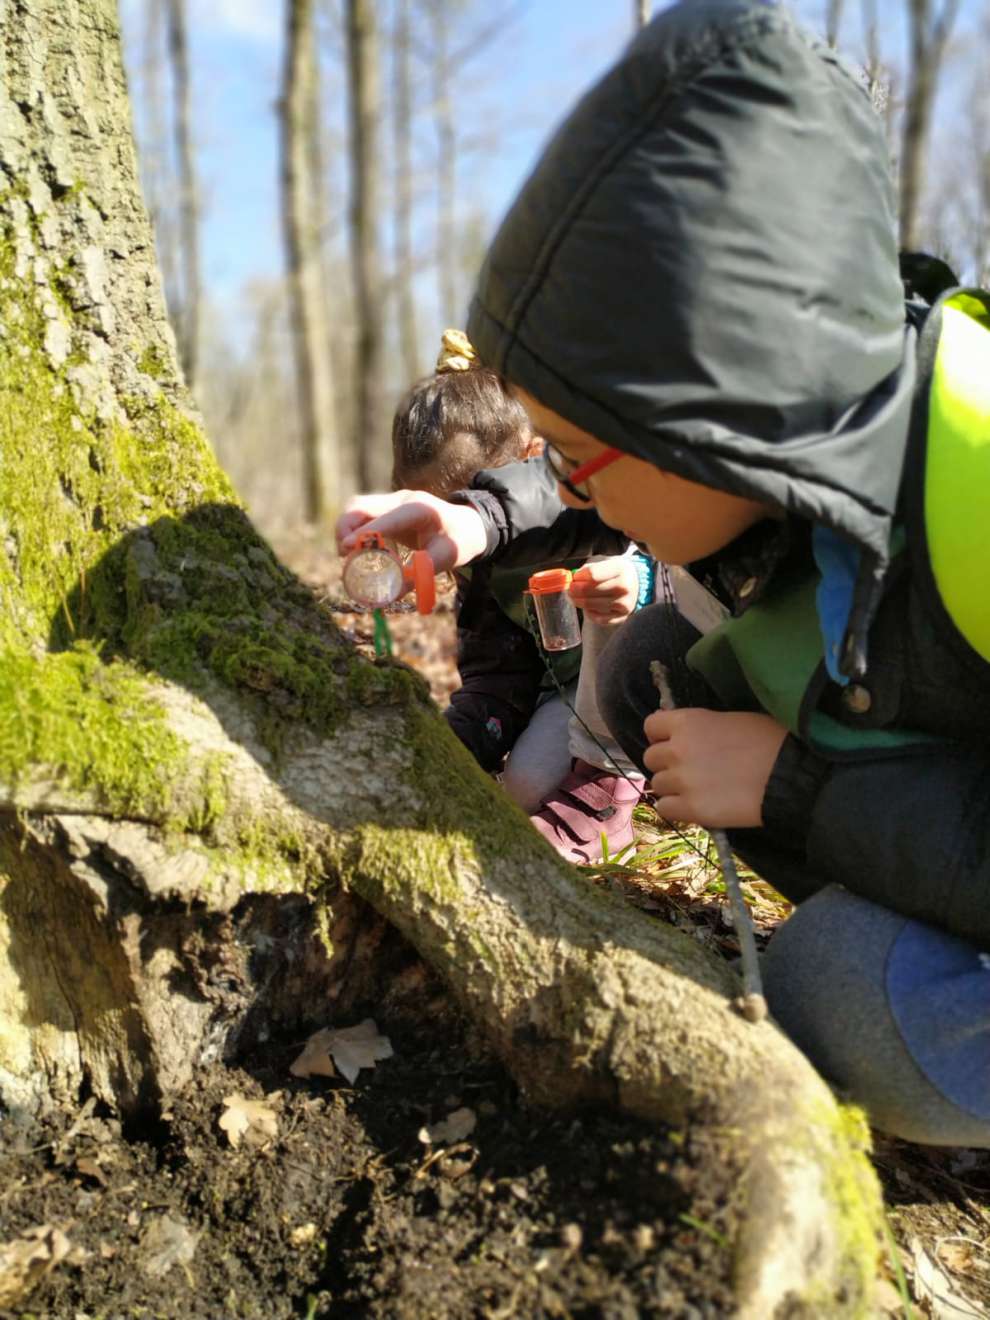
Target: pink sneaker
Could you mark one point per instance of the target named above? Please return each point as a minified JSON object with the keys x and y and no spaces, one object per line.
{"x":584,"y":806}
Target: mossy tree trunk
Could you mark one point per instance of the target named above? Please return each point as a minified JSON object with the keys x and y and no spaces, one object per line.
{"x":196,"y":771}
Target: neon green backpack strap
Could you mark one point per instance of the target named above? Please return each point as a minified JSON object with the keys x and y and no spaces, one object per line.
{"x":957,"y":464}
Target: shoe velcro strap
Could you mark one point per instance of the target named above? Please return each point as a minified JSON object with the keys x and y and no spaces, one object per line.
{"x":590,"y":795}
{"x":576,"y":819}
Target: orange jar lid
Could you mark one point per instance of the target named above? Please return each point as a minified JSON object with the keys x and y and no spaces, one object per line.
{"x":549,"y":581}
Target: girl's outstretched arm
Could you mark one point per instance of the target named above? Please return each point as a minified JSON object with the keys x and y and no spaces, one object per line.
{"x":452,"y":534}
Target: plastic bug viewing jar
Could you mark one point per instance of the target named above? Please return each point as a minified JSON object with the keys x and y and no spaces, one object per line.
{"x":375,"y":576}
{"x":560,"y":627}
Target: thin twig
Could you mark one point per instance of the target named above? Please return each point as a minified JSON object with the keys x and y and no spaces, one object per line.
{"x":751,"y":1003}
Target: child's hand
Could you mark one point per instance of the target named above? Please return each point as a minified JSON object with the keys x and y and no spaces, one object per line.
{"x":711,"y":767}
{"x":452,"y":534}
{"x":606,"y":590}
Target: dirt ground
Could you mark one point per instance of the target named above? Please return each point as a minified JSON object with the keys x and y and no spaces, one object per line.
{"x":337,"y":1201}
{"x":343,"y":1211}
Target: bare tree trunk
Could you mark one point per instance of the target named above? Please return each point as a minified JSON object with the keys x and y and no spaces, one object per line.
{"x":370,"y":441}
{"x":196,"y":769}
{"x":833,"y":21}
{"x":302,"y":189}
{"x":929,"y":35}
{"x":877,"y":83}
{"x":188,"y":318}
{"x":402,"y":121}
{"x":156,"y":165}
{"x":641,"y":12}
{"x":443,"y":117}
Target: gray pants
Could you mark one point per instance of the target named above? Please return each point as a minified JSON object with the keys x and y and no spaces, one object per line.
{"x":895,"y":1011}
{"x":554,"y":736}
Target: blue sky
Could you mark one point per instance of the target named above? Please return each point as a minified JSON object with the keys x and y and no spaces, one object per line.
{"x":556,"y":49}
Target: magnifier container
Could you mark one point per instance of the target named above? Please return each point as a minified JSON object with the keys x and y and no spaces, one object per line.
{"x":560,"y":627}
{"x":375,"y":576}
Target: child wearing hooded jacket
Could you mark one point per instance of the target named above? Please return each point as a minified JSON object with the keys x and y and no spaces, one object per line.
{"x":534,"y":717}
{"x":696,"y":297}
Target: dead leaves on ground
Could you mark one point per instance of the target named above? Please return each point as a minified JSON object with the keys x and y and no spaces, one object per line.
{"x":933,"y":1285}
{"x":333,"y":1049}
{"x":350,"y":1048}
{"x":26,"y":1260}
{"x":251,"y":1121}
{"x":455,"y":1127}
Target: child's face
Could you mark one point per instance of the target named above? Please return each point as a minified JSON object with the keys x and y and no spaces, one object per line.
{"x":679,"y":520}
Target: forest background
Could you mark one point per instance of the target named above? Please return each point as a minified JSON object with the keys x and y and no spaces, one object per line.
{"x":323,"y":176}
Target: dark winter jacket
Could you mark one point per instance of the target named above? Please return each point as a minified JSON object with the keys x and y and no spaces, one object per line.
{"x":702,"y":271}
{"x":503,"y":673}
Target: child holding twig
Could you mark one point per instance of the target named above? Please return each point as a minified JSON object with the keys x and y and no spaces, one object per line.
{"x":696,"y":298}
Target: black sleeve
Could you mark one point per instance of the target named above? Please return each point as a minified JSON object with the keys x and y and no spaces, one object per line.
{"x":501,"y":673}
{"x":911,"y":832}
{"x":525,"y":522}
{"x":488,"y":728}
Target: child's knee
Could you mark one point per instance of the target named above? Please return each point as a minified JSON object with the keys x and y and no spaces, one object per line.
{"x":893,"y":1011}
{"x":623,"y":681}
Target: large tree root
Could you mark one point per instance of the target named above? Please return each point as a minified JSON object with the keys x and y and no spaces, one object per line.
{"x":132,"y":960}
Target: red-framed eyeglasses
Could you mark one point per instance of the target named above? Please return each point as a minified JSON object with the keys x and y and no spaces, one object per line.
{"x":571,"y":477}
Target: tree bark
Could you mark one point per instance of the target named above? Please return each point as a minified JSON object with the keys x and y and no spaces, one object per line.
{"x":197,"y":772}
{"x":929,"y":35}
{"x":302,"y":189}
{"x":369,"y":439}
{"x":190,"y":311}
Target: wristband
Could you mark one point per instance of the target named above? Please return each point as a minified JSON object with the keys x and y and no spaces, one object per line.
{"x":646,"y":572}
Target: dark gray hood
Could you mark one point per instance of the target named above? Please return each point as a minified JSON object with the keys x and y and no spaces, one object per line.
{"x":702,"y":271}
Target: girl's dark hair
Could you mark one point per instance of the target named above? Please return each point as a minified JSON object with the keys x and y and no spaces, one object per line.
{"x":454,"y":424}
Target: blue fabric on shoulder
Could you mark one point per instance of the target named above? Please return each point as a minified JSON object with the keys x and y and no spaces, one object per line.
{"x":838,"y":564}
{"x":646,"y":571}
{"x":938,"y":988}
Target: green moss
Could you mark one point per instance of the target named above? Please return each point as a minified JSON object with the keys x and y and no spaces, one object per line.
{"x":152,"y":363}
{"x":276,"y":856}
{"x":854,"y":1189}
{"x":383,"y":683}
{"x":95,"y":727}
{"x":465,"y":822}
{"x":854,"y":1192}
{"x":122,"y":544}
{"x":70,"y":485}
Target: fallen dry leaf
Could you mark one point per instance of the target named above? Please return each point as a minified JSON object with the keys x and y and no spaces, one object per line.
{"x":250,"y":1120}
{"x":354,"y":1048}
{"x":455,"y":1127}
{"x":956,"y":1254}
{"x":315,"y":1059}
{"x":167,"y":1241}
{"x":26,"y":1260}
{"x":933,"y":1286}
{"x":89,"y":1168}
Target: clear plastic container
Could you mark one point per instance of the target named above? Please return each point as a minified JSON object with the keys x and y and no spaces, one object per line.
{"x":375,"y":575}
{"x":560,"y":627}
